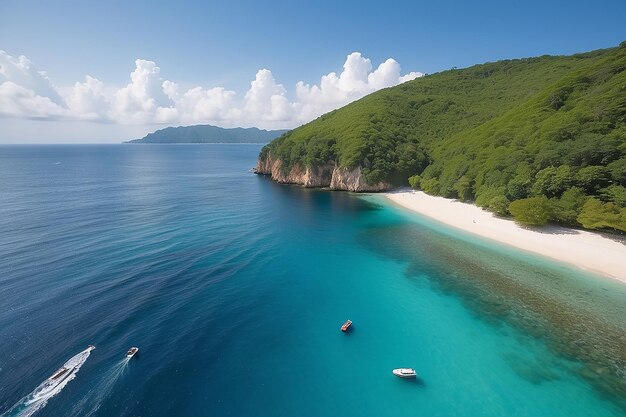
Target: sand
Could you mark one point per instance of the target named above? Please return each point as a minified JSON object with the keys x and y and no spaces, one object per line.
{"x":590,"y":251}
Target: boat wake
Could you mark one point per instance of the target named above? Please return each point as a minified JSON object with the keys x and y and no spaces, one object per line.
{"x":93,"y":399}
{"x":38,"y":399}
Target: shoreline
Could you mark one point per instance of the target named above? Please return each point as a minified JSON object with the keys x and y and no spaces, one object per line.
{"x":586,"y":250}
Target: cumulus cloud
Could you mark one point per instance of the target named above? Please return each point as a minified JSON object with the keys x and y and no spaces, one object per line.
{"x":88,"y":101}
{"x":19,"y":101}
{"x":26,"y":92}
{"x":145,"y":98}
{"x":355,"y":81}
{"x":266,"y":100}
{"x":198,"y":104}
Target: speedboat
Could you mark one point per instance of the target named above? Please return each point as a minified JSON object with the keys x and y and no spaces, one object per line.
{"x":131,"y":352}
{"x":405,"y":373}
{"x":346,"y":326}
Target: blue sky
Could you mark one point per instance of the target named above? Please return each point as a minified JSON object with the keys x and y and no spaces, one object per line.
{"x":221,"y":47}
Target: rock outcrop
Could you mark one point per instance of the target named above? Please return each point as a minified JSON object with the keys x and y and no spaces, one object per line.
{"x":328,"y":175}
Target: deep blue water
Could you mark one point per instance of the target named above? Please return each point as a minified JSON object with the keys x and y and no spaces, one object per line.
{"x":234,"y":289}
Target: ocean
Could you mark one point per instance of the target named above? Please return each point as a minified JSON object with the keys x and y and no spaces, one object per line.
{"x":234,"y":289}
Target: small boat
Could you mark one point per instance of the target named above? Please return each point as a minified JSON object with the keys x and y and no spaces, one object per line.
{"x":131,"y":352}
{"x":405,"y":373}
{"x":346,"y":326}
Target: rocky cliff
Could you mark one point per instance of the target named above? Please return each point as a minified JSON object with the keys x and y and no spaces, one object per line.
{"x":328,"y":175}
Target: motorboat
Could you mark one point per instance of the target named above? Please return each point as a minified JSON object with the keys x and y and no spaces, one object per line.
{"x":405,"y":373}
{"x":131,"y":352}
{"x":346,"y":326}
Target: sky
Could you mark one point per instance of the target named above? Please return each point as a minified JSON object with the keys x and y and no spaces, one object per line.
{"x":109,"y":71}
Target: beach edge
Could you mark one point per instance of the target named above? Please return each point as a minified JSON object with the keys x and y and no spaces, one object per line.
{"x":589,"y":251}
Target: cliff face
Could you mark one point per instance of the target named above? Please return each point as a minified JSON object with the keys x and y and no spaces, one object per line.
{"x":328,"y":175}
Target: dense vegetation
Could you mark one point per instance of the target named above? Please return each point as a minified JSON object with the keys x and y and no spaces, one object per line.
{"x":542,"y":139}
{"x":209,"y":134}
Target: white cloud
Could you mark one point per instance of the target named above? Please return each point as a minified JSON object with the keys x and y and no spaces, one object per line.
{"x":149,"y":99}
{"x":87,"y":100}
{"x":356,"y":81}
{"x":19,"y":101}
{"x":198,"y":104}
{"x":386,"y":75}
{"x":145,"y":98}
{"x":410,"y":76}
{"x":27,"y":92}
{"x":22,"y":72}
{"x":266,"y":100}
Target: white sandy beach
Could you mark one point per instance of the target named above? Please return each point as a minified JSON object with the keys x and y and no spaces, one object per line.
{"x":586,"y":250}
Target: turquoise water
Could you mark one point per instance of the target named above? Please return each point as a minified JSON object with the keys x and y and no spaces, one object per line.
{"x":235,"y":287}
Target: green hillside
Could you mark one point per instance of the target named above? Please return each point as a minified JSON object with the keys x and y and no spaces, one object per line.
{"x":546,"y":133}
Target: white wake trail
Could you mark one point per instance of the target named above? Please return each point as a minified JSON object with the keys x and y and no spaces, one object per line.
{"x":38,"y":399}
{"x":93,"y":399}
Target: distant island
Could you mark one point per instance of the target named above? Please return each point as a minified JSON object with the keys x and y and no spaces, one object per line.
{"x":209,"y":134}
{"x":540,"y":139}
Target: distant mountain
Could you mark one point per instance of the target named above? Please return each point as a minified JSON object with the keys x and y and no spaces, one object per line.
{"x":209,"y":134}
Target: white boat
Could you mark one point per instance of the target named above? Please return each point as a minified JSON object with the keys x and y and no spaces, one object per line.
{"x":66,"y":371}
{"x":405,"y":373}
{"x":131,"y":352}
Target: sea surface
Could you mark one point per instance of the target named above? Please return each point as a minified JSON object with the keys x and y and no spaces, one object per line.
{"x":234,"y":288}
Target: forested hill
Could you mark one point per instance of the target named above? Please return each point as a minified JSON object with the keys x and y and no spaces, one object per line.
{"x":209,"y":134}
{"x":543,"y":139}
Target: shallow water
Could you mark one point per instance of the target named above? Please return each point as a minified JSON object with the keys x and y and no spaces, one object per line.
{"x":235,"y":287}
